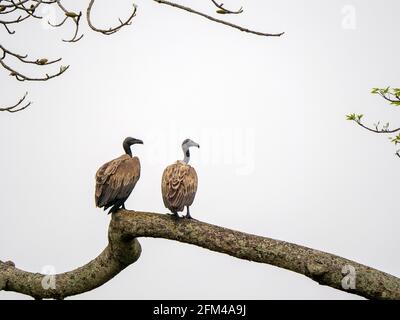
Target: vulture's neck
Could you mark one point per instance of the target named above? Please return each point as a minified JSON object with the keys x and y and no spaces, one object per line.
{"x":128,"y":150}
{"x":186,"y":159}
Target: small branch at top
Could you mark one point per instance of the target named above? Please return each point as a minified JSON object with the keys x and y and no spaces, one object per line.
{"x":110,"y":30}
{"x":229,"y":24}
{"x":74,"y":17}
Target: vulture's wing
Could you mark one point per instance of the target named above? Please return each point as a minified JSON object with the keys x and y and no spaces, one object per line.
{"x":179,"y":186}
{"x":116,"y":180}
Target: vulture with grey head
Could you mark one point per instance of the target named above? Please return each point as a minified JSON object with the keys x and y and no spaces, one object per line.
{"x":179,"y":182}
{"x":116,"y":179}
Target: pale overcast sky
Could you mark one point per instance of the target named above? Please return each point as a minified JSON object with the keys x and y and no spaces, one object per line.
{"x":277,"y":157}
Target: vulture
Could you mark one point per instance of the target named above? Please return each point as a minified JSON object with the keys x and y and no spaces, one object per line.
{"x":116,"y":179}
{"x":179,"y":182}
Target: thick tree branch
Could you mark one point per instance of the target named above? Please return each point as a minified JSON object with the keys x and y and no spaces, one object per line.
{"x":119,"y":254}
{"x":124,"y":249}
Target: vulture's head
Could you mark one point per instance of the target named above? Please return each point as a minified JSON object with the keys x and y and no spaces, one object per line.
{"x":128,"y":142}
{"x":189,"y":143}
{"x":131,"y":141}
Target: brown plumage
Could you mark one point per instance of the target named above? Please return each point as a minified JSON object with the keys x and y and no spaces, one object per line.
{"x":179,"y":186}
{"x":116,"y":179}
{"x":179,"y":183}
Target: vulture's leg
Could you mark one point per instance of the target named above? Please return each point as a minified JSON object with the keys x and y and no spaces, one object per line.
{"x":188,"y":216}
{"x":175,"y":214}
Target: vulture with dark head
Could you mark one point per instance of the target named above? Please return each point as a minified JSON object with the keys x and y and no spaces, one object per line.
{"x":116,"y":179}
{"x":179,"y":182}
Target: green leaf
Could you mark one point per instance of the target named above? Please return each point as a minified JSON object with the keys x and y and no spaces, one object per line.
{"x":396,"y":139}
{"x":375,"y":90}
{"x":351,"y":117}
{"x":386,"y":90}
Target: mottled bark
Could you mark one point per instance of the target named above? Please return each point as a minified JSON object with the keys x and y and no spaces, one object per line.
{"x":120,"y":253}
{"x":124,"y":249}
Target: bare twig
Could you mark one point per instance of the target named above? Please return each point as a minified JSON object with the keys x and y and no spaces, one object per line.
{"x":110,"y":30}
{"x":21,"y":77}
{"x":74,"y":17}
{"x":18,"y":106}
{"x":23,"y":58}
{"x":229,"y":24}
{"x":27,"y":13}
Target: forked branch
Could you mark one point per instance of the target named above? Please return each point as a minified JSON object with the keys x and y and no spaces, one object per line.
{"x":24,"y":59}
{"x":72,"y":16}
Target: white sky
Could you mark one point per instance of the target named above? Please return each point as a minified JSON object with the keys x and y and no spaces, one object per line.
{"x":277,"y":157}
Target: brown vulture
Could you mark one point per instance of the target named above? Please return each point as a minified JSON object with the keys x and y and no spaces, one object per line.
{"x":116,"y":179}
{"x":179,"y":183}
